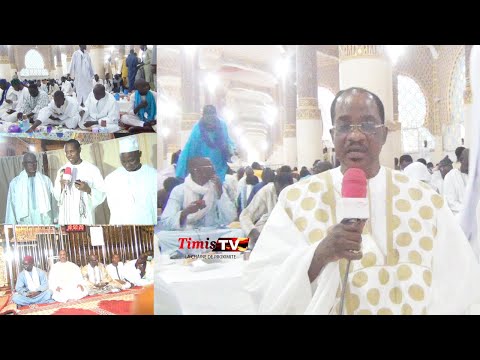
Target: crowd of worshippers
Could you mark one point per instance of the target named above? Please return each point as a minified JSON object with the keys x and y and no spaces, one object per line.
{"x":447,"y":178}
{"x":247,"y":195}
{"x":66,"y":281}
{"x":79,"y":188}
{"x":36,"y":106}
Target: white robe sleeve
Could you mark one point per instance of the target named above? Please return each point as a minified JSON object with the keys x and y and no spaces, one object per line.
{"x":450,"y":193}
{"x":455,"y":272}
{"x":253,"y":212}
{"x":226,"y":209}
{"x":276,"y":275}
{"x":98,"y":194}
{"x":71,"y":116}
{"x":170,"y":219}
{"x":10,"y":217}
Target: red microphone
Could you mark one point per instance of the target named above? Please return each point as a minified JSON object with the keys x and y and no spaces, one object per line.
{"x":354,"y":209}
{"x":354,"y":203}
{"x":67,"y":174}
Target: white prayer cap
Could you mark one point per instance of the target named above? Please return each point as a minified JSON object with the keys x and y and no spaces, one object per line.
{"x":128,"y":144}
{"x":417,"y":170}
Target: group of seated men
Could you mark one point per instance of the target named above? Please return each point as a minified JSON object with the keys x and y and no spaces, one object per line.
{"x":32,"y":107}
{"x":67,"y":281}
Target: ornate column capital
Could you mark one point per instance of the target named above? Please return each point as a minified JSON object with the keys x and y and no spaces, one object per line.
{"x":290,"y":130}
{"x":346,"y":52}
{"x":467,"y":94}
{"x":4,"y":60}
{"x":308,"y":109}
{"x":188,"y":120}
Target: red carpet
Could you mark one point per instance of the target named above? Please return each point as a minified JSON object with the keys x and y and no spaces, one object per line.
{"x":109,"y":304}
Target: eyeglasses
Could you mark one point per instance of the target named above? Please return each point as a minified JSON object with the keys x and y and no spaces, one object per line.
{"x":368,"y":128}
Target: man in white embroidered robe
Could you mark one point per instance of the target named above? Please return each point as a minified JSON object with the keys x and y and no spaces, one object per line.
{"x":30,"y":199}
{"x":77,"y":198}
{"x":97,"y":278}
{"x":66,"y":281}
{"x":61,"y":111}
{"x":412,"y":257}
{"x":117,"y":272}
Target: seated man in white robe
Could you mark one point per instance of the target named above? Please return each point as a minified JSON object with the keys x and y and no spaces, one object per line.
{"x":100,"y":109}
{"x":403,"y":259}
{"x":200,"y":203}
{"x":35,"y":101}
{"x":8,"y":98}
{"x":117,"y":272}
{"x":142,"y":115}
{"x":255,"y":215}
{"x":67,"y":87}
{"x":131,"y":189}
{"x":32,"y":285}
{"x":62,"y":111}
{"x":139,"y":272}
{"x":21,"y":92}
{"x":439,"y":173}
{"x":44,"y":86}
{"x":53,"y":88}
{"x":79,"y":193}
{"x":96,"y":80}
{"x":97,"y":279}
{"x":66,"y":280}
{"x":30,"y":199}
{"x":455,"y":184}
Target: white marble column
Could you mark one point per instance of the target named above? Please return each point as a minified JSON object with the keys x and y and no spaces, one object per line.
{"x":12,"y":60}
{"x":97,"y":53}
{"x":190,"y":93}
{"x":467,"y":99}
{"x":368,"y":66}
{"x":69,"y":50}
{"x":309,"y":125}
{"x":290,"y":128}
{"x":5,"y":70}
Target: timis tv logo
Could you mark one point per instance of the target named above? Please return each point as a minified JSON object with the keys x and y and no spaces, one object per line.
{"x":222,"y":244}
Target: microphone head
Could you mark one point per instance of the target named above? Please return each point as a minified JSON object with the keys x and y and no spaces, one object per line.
{"x":68,"y":171}
{"x":354,"y":183}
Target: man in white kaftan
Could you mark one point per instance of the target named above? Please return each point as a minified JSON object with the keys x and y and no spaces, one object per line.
{"x":100,"y":109}
{"x":62,"y":111}
{"x":81,"y":70}
{"x":455,"y":184}
{"x":77,"y":198}
{"x":30,"y":199}
{"x":66,"y":281}
{"x":131,"y":189}
{"x":404,"y":261}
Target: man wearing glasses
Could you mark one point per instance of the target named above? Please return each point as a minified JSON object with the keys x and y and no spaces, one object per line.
{"x":200,"y":202}
{"x":30,"y":198}
{"x":411,"y":257}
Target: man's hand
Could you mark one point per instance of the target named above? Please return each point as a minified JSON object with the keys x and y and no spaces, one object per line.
{"x":253,"y":237}
{"x":20,"y":116}
{"x":58,"y":289}
{"x":80,"y":287}
{"x":342,"y":242}
{"x":194,"y":207}
{"x":218,"y":184}
{"x":54,"y":118}
{"x":143,"y":104}
{"x":90,"y":123}
{"x":83,"y":186}
{"x":32,"y":294}
{"x":10,"y":111}
{"x":9,"y":101}
{"x":81,"y":113}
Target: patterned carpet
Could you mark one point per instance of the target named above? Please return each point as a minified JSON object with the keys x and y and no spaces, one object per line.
{"x":109,"y":304}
